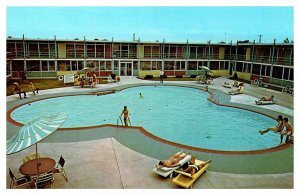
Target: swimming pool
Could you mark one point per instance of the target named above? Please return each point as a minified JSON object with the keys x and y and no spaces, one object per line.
{"x":178,"y":114}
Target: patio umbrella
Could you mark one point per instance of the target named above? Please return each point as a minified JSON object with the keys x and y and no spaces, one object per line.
{"x":86,"y":70}
{"x":205,"y":68}
{"x":35,"y":131}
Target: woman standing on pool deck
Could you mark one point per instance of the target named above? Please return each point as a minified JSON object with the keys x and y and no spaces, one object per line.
{"x":276,"y":129}
{"x":125,"y":112}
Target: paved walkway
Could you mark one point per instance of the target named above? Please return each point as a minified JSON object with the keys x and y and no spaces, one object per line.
{"x":106,"y":163}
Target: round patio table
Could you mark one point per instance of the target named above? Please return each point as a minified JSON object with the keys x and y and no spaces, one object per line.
{"x":37,"y":166}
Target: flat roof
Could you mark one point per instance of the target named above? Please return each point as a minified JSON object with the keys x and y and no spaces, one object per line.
{"x":147,"y":42}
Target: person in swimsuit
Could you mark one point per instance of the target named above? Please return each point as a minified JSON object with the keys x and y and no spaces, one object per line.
{"x":192,"y":168}
{"x":125,"y":114}
{"x":276,"y":129}
{"x":289,"y":130}
{"x":172,"y":161}
{"x":141,"y":96}
{"x":267,"y":98}
{"x":18,"y":89}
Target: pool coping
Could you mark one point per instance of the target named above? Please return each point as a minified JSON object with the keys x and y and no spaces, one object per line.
{"x":145,"y":132}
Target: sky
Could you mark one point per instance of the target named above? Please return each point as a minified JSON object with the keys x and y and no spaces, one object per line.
{"x":174,"y":24}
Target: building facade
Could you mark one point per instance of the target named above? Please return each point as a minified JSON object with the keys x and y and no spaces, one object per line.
{"x":44,"y":58}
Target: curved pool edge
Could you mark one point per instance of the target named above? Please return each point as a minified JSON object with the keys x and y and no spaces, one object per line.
{"x":147,"y":133}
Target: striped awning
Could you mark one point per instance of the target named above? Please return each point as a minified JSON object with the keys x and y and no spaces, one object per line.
{"x":35,"y":131}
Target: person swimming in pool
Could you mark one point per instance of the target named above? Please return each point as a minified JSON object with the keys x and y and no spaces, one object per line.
{"x":125,"y":114}
{"x":141,"y":96}
{"x":276,"y":129}
{"x":172,"y":161}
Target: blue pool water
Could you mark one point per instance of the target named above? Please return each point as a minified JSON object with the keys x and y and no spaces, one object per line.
{"x":178,"y":114}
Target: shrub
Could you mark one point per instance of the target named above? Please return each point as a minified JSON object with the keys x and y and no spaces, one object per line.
{"x":148,"y":77}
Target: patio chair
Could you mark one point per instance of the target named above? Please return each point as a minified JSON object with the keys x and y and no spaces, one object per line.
{"x":59,"y":169}
{"x":20,"y":181}
{"x":77,"y":82}
{"x":44,"y":180}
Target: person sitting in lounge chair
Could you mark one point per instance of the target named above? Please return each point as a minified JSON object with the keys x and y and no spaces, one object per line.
{"x":237,"y":91}
{"x":267,"y":98}
{"x":172,"y":161}
{"x":192,"y":168}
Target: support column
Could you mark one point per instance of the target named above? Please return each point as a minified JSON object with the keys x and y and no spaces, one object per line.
{"x":272,"y":61}
{"x":252,"y":57}
{"x":84,"y":53}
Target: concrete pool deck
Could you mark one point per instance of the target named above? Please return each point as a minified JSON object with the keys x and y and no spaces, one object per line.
{"x":113,"y":165}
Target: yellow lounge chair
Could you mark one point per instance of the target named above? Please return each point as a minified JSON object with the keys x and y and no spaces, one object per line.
{"x":186,"y":180}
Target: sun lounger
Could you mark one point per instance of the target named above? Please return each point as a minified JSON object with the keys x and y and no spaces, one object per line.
{"x":226,"y":85}
{"x":168,"y":171}
{"x":263,"y":102}
{"x":236,"y":92}
{"x":186,"y":180}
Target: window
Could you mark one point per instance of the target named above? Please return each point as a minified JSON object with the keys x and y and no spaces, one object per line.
{"x":155,"y":52}
{"x":74,"y":65}
{"x":102,"y":65}
{"x":169,"y":65}
{"x":239,"y":66}
{"x":108,"y":65}
{"x":44,"y":50}
{"x":79,"y":50}
{"x":192,"y":65}
{"x":80,"y":65}
{"x":263,"y":70}
{"x":44,"y":65}
{"x":116,"y":65}
{"x":70,"y":50}
{"x":147,"y":51}
{"x":145,"y":65}
{"x":277,"y":72}
{"x":19,"y":50}
{"x":291,"y":74}
{"x":90,"y":50}
{"x":99,"y":51}
{"x":256,"y":69}
{"x":214,"y":65}
{"x":286,"y":73}
{"x":33,"y":49}
{"x":33,"y":65}
{"x":18,"y":65}
{"x":268,"y":70}
{"x":51,"y":65}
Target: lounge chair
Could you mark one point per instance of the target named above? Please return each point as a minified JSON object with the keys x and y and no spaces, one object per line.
{"x":109,"y":79}
{"x":236,"y":92}
{"x":186,"y":180}
{"x":226,"y":85}
{"x":168,"y":171}
{"x":264,"y":102}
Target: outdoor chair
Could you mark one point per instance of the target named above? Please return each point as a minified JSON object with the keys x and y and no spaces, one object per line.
{"x":17,"y":182}
{"x":45,"y":180}
{"x":59,"y":169}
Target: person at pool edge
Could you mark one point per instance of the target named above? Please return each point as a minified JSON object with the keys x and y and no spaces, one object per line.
{"x":289,"y":130}
{"x":125,"y":114}
{"x":276,"y":129}
{"x":161,"y":76}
